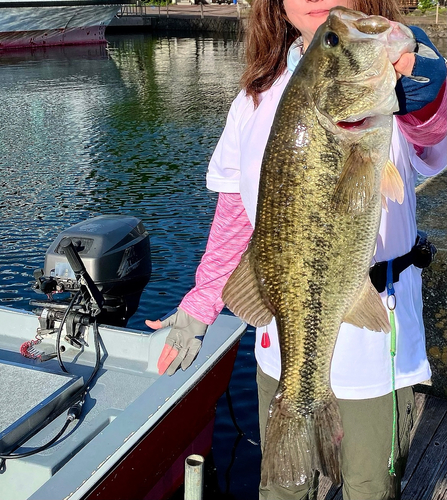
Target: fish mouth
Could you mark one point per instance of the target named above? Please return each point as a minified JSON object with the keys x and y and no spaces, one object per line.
{"x":370,"y":118}
{"x":362,"y":124}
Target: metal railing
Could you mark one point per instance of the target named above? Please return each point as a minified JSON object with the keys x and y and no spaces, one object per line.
{"x":235,"y":11}
{"x":202,"y":10}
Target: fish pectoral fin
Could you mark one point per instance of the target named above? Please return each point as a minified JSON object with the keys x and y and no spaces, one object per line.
{"x":355,"y":186}
{"x":392,"y":185}
{"x":242,"y":296}
{"x":368,"y":311}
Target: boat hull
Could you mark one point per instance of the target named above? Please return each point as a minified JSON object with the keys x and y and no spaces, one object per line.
{"x":137,"y":427}
{"x":59,"y":25}
{"x":154,"y":469}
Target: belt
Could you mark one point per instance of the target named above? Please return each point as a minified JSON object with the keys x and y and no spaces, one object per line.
{"x":421,"y":255}
{"x":377,"y":272}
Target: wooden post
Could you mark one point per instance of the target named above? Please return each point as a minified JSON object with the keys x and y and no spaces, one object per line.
{"x":194,"y":465}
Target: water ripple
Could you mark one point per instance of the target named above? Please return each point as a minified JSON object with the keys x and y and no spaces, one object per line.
{"x":127,"y":130}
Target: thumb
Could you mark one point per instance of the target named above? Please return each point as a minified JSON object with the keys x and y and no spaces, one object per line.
{"x":404,"y":65}
{"x":155,"y":325}
{"x":167,"y":320}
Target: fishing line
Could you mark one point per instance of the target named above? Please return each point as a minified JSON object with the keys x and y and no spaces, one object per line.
{"x":391,"y":304}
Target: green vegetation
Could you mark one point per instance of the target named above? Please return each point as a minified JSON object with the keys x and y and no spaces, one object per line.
{"x":424,"y":5}
{"x":156,"y":2}
{"x":428,"y":8}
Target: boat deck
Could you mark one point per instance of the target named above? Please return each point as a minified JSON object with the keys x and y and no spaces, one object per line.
{"x":426,"y":474}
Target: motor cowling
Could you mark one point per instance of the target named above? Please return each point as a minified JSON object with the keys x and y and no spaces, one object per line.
{"x":115,"y":254}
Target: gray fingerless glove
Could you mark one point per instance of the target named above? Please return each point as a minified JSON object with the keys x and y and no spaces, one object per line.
{"x":185,"y":337}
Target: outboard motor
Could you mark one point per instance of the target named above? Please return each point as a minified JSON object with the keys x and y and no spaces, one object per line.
{"x":96,"y":269}
{"x":94,"y":273}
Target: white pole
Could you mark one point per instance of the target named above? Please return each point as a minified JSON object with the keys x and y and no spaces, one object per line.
{"x":194,"y":465}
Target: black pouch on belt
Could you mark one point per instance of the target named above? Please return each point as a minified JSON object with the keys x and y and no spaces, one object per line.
{"x":421,"y":255}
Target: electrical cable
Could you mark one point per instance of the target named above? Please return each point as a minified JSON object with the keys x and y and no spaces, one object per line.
{"x":96,"y":337}
{"x":9,"y":456}
{"x":232,"y":415}
{"x":75,"y":410}
{"x":239,"y":436}
{"x":230,"y":465}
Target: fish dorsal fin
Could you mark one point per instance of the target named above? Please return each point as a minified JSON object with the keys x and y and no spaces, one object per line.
{"x":392,"y":185}
{"x":355,"y":186}
{"x":242,"y":296}
{"x":368,"y":311}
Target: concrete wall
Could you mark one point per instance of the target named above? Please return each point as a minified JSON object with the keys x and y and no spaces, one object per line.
{"x":207,"y":24}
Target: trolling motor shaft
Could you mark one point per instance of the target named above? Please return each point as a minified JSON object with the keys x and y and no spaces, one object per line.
{"x":92,"y":296}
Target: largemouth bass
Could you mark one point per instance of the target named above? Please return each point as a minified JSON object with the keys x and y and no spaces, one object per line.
{"x":324,"y":176}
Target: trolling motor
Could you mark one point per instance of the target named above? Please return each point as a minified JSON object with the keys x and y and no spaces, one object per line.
{"x":94,"y":271}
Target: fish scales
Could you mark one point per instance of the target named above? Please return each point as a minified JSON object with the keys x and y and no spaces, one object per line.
{"x":318,"y":215}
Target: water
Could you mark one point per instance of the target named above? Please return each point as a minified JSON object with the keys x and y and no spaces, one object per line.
{"x":129,"y":130}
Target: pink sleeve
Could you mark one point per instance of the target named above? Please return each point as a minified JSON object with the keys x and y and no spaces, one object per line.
{"x":423,"y":133}
{"x":229,"y":236}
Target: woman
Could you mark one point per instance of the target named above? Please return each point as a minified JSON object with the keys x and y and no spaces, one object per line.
{"x":279,"y":32}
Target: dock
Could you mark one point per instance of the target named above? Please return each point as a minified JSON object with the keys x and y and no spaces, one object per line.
{"x":222,"y":18}
{"x":213,"y":17}
{"x":426,"y":473}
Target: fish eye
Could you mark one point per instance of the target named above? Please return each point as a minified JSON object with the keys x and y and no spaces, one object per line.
{"x":330,"y":39}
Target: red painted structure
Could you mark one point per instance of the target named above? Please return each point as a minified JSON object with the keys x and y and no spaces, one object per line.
{"x":28,"y":23}
{"x":154,"y":468}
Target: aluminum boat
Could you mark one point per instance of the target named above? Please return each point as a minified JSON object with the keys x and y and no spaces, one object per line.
{"x":83,"y":411}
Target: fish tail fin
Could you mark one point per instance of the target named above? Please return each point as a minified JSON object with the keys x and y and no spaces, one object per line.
{"x":298,"y":444}
{"x":286,"y":458}
{"x":329,"y":433}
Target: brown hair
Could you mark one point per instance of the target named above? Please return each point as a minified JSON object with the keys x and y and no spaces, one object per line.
{"x":270,"y":34}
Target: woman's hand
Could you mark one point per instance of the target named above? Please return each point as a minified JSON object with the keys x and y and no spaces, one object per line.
{"x":423,"y":74}
{"x":404,"y":66}
{"x":183,"y":342}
